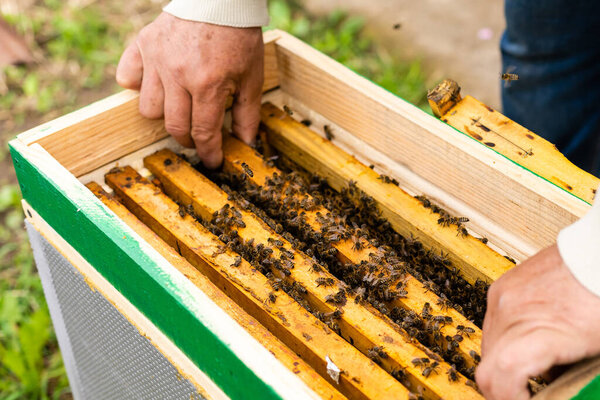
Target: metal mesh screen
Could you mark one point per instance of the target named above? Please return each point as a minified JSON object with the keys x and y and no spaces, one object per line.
{"x":105,"y":355}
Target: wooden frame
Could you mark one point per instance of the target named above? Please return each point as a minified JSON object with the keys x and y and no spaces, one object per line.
{"x":519,"y":212}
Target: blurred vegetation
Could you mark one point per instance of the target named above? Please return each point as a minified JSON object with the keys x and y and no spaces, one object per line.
{"x":77,"y":48}
{"x":343,"y":38}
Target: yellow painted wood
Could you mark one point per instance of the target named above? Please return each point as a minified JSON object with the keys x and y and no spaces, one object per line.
{"x":405,"y":213}
{"x":284,"y":317}
{"x":283,"y":353}
{"x":358,"y":324}
{"x":236,"y":153}
{"x":519,"y":144}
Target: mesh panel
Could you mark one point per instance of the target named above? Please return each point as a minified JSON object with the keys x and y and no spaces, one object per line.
{"x":108,"y":356}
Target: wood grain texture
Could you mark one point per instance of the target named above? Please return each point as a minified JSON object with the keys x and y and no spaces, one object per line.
{"x":286,"y":356}
{"x":299,"y":330}
{"x":111,"y":128}
{"x":358,"y":324}
{"x":505,"y":192}
{"x":236,"y":153}
{"x":176,"y":307}
{"x":520,"y":145}
{"x":406,"y":214}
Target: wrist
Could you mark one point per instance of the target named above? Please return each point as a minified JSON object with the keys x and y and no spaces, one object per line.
{"x":235,"y":13}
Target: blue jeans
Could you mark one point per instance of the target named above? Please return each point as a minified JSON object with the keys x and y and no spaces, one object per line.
{"x":554,"y":48}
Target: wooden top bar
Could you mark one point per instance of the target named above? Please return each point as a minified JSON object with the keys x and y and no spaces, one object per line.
{"x":405,"y":213}
{"x":236,"y":153}
{"x":287,"y":357}
{"x":357,"y":324}
{"x":283,"y":316}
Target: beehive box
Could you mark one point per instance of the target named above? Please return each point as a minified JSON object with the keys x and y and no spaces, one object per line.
{"x":135,"y":319}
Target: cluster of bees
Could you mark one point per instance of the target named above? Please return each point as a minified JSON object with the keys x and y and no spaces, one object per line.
{"x":283,"y":201}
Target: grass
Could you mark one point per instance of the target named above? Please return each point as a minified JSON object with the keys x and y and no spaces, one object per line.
{"x":78,"y":49}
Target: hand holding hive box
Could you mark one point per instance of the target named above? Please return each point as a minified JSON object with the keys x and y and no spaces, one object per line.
{"x":264,"y":281}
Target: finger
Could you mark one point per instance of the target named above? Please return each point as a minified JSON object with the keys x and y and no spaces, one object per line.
{"x":208,"y":113}
{"x":130,"y":69}
{"x":178,"y":113}
{"x":152,"y":96}
{"x":504,"y":372}
{"x":489,"y":319}
{"x":246,"y":108}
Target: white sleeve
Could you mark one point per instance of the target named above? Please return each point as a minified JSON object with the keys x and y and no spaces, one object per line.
{"x":579,"y":246}
{"x":238,"y":13}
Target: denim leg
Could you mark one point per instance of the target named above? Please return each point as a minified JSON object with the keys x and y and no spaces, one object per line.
{"x":554,"y":47}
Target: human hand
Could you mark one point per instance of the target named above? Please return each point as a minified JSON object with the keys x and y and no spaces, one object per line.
{"x":538,"y":316}
{"x":185,"y":71}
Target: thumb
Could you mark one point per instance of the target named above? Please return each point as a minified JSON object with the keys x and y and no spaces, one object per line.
{"x":130,"y":69}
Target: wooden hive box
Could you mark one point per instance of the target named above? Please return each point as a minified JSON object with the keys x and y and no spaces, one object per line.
{"x":514,"y":187}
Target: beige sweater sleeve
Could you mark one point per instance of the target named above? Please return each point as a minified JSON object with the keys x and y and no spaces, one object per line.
{"x":579,"y":246}
{"x":238,"y":13}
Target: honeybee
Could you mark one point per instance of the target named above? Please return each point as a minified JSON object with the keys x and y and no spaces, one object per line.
{"x":509,"y":76}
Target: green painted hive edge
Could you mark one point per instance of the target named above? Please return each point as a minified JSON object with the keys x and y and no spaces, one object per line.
{"x":104,"y":241}
{"x":591,"y":391}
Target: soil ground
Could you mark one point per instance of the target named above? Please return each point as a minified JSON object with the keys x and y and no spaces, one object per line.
{"x":456,"y":39}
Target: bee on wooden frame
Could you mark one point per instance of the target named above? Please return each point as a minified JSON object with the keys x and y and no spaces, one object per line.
{"x":324,"y":282}
{"x":328,"y":133}
{"x":452,"y":374}
{"x":247,"y":170}
{"x":431,"y":369}
{"x":288,"y":110}
{"x":237,"y":261}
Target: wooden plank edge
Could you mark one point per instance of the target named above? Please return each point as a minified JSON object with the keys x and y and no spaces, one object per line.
{"x":311,"y":77}
{"x":522,"y":146}
{"x":190,"y":188}
{"x":300,"y":143}
{"x":239,"y":156}
{"x":286,"y":356}
{"x":83,"y":221}
{"x":301,"y":331}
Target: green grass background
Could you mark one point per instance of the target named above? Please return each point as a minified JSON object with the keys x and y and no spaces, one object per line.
{"x":77,"y":49}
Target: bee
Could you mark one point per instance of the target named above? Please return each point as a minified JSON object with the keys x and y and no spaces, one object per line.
{"x":399,"y":373}
{"x":426,"y":312}
{"x":512,"y":260}
{"x":510,"y":77}
{"x":483,"y":240}
{"x":307,"y":336}
{"x":338,"y":298}
{"x":476,"y":357}
{"x":247,"y":170}
{"x":462,"y":232}
{"x":306,"y":122}
{"x":356,"y":245}
{"x":464,"y":330}
{"x":397,"y":26}
{"x":272,"y":298}
{"x":420,"y":362}
{"x":444,"y":303}
{"x":431,"y":369}
{"x":316,"y":267}
{"x":288,"y":110}
{"x":324,"y":282}
{"x":377,"y":353}
{"x":237,"y":261}
{"x":328,"y":133}
{"x":181,"y":211}
{"x":167,"y":162}
{"x":452,"y":374}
